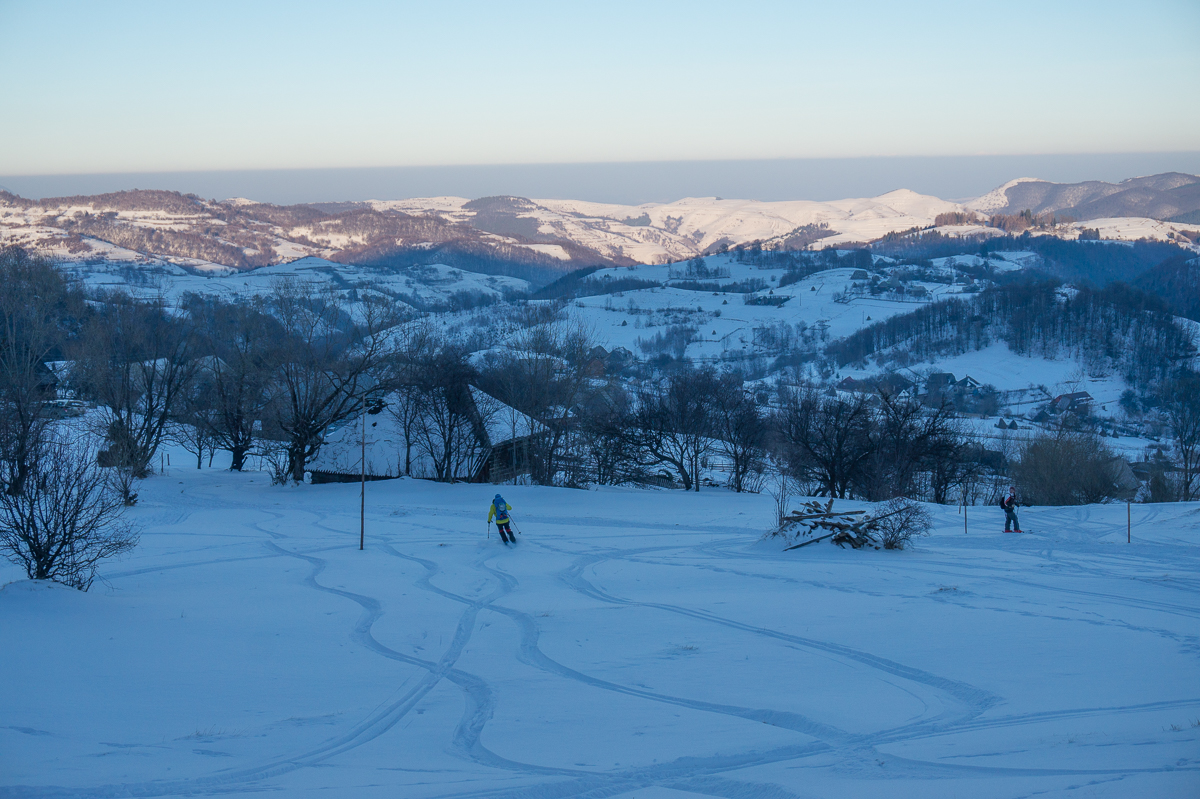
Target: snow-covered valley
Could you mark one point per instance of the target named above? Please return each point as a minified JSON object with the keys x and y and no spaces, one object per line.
{"x":634,"y":643}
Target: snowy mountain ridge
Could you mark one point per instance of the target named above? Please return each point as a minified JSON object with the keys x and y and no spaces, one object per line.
{"x":539,"y":239}
{"x":997,"y":198}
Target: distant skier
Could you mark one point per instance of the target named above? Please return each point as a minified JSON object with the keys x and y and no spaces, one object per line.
{"x":1009,"y":505}
{"x":499,"y":510}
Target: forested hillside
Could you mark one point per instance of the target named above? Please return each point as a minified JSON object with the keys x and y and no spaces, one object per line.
{"x":1115,"y":327}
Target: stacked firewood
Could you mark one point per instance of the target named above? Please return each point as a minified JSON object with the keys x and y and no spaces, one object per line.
{"x":817,"y":522}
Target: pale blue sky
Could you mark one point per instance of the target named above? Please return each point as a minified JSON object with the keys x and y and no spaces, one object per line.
{"x":135,"y":87}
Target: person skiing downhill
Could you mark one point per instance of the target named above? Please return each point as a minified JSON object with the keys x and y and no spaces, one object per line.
{"x":1009,"y":505}
{"x":499,"y":510}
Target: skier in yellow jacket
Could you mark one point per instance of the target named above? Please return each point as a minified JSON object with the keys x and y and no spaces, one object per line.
{"x":499,"y":510}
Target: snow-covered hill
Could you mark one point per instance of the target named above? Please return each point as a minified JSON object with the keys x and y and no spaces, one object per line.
{"x":664,"y":232}
{"x":1162,"y":197}
{"x":635,"y":644}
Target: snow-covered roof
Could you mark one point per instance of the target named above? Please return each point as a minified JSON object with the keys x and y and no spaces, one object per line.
{"x":503,"y":422}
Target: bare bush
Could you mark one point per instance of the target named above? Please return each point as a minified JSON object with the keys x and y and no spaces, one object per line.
{"x":891,"y":524}
{"x":67,"y":519}
{"x":901,"y":520}
{"x":273,"y":459}
{"x":1066,"y":468}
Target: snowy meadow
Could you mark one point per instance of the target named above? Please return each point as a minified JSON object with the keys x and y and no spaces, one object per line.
{"x":633,"y":643}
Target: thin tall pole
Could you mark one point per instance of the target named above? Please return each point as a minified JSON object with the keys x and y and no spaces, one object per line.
{"x":964,"y":510}
{"x":1128,"y":523}
{"x":362,"y":505}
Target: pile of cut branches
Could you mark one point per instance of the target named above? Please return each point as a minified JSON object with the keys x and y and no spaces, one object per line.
{"x":816,"y":522}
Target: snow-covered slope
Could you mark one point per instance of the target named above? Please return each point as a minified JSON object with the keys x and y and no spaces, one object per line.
{"x":726,"y":326}
{"x":634,"y":644}
{"x":665,"y":232}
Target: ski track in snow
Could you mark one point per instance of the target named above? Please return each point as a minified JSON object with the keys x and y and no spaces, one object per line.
{"x":952,"y":707}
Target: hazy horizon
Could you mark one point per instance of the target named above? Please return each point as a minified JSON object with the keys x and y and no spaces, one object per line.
{"x":627,"y":183}
{"x":131,"y":87}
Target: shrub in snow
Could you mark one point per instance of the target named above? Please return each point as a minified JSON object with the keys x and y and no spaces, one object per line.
{"x":899,"y":521}
{"x":66,"y":519}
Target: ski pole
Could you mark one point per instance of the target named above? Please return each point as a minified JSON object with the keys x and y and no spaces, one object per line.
{"x":514,"y":521}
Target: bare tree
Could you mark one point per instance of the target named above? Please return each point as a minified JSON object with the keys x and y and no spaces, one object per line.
{"x":235,"y":380}
{"x":1183,"y":415}
{"x":907,"y":437}
{"x":607,"y":441}
{"x":958,"y":468}
{"x":34,"y":307}
{"x":740,"y":429}
{"x":136,"y":361}
{"x":448,"y":427}
{"x":67,"y":519}
{"x":324,"y":360}
{"x":674,"y":423}
{"x":403,"y":369}
{"x":192,"y":432}
{"x":827,"y":438}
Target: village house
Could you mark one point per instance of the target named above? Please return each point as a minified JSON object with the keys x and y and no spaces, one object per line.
{"x":1079,"y":402}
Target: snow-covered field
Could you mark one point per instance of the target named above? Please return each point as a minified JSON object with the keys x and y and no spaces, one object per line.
{"x":633,"y":644}
{"x":724,"y":324}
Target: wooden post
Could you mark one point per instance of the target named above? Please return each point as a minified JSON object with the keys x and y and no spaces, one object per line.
{"x":362,"y":506}
{"x":964,"y":507}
